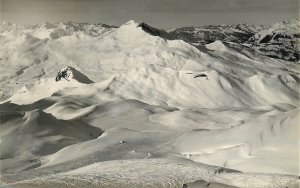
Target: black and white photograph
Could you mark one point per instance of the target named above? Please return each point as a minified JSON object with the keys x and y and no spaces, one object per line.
{"x":149,"y":93}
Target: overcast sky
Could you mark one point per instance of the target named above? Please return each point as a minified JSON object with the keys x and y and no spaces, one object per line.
{"x":160,"y":13}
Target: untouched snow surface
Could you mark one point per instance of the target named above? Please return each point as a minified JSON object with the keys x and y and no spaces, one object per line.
{"x":134,"y":109}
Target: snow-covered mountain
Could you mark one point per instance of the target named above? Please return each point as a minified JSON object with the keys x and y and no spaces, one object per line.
{"x":278,"y":41}
{"x":55,"y":30}
{"x":281,"y":41}
{"x":165,"y":113}
{"x":209,"y":33}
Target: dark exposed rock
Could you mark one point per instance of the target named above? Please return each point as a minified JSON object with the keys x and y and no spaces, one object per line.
{"x":69,"y":73}
{"x":201,"y":75}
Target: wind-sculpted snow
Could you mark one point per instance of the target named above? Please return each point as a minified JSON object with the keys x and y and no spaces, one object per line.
{"x":90,"y":105}
{"x":25,"y":136}
{"x":156,"y":173}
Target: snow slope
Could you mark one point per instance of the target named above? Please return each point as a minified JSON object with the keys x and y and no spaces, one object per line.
{"x":173,"y":115}
{"x":36,"y":134}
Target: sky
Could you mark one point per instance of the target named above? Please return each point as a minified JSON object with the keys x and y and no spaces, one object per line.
{"x":164,"y":14}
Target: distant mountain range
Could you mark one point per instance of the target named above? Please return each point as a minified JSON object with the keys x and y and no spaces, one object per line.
{"x":278,"y":41}
{"x":94,"y":105}
{"x":209,"y":33}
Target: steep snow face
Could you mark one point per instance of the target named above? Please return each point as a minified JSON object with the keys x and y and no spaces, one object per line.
{"x":280,"y":40}
{"x":159,"y":101}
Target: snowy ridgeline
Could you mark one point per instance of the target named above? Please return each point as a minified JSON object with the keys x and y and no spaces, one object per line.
{"x":278,"y":41}
{"x":94,"y":105}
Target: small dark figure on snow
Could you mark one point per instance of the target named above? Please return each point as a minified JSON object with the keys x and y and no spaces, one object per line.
{"x":201,"y":75}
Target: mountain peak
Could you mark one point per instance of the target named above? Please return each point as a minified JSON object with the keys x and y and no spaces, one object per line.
{"x":69,"y":73}
{"x":217,"y":45}
{"x":132,"y":23}
{"x":148,"y":29}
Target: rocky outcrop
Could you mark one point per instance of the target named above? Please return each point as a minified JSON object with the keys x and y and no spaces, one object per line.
{"x":68,"y":73}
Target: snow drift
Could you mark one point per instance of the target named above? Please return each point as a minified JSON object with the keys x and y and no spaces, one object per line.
{"x":215,"y":113}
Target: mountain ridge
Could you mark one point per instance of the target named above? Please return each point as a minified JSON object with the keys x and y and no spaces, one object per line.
{"x":220,"y":109}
